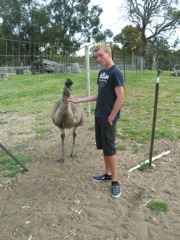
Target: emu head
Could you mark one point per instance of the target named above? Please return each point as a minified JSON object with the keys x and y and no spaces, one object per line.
{"x":67,"y":87}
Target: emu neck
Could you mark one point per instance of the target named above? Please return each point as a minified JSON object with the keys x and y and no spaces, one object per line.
{"x":66,"y":93}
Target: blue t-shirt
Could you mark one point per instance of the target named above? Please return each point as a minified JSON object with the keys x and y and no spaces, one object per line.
{"x":108,"y":79}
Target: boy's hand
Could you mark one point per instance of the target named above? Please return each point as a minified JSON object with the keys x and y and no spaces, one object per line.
{"x":74,"y":100}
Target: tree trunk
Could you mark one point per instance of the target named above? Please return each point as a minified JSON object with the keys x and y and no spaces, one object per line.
{"x":154,"y":63}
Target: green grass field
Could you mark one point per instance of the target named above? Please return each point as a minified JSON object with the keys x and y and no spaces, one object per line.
{"x":37,"y":93}
{"x":33,"y":94}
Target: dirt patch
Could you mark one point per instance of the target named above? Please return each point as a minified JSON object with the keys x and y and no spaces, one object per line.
{"x":59,"y":201}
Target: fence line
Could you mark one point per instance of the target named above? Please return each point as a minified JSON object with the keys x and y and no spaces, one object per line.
{"x":20,"y":54}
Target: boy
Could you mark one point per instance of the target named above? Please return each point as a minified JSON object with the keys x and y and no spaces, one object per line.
{"x":109,"y":100}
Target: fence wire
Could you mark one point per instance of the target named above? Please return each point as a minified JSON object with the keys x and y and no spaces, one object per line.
{"x":19,"y":57}
{"x":22,"y":62}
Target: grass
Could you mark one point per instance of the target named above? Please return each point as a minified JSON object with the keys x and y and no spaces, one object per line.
{"x":121,"y":148}
{"x":139,"y":106}
{"x":9,"y":167}
{"x":145,"y":167}
{"x":157,"y":207}
{"x":34,"y":95}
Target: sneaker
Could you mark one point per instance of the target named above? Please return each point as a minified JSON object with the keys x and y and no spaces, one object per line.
{"x":102,"y":178}
{"x":115,"y":190}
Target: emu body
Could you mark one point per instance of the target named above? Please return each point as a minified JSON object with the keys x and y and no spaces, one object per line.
{"x":67,"y":115}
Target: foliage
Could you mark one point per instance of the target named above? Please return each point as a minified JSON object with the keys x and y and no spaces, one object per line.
{"x":145,"y":167}
{"x":60,"y":27}
{"x":162,"y":57}
{"x":157,"y":50}
{"x":130,"y":39}
{"x":49,"y":23}
{"x":10,"y":14}
{"x":153,"y":18}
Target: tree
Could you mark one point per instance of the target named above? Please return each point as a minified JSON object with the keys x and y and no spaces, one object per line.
{"x":23,"y":24}
{"x":130,"y":38}
{"x":9,"y":13}
{"x":153,"y":18}
{"x":73,"y":22}
{"x":160,"y":55}
{"x":157,"y":51}
{"x":34,"y":22}
{"x":67,"y":24}
{"x":170,"y":60}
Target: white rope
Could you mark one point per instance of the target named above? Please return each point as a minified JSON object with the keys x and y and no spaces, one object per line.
{"x":146,"y":161}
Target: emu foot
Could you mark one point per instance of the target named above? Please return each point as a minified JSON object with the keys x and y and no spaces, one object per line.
{"x":61,"y":160}
{"x":73,"y":156}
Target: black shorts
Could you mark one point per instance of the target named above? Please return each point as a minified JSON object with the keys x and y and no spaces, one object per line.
{"x":105,"y":136}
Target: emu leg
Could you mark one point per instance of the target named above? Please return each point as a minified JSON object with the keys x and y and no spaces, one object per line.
{"x":74,"y":138}
{"x":61,"y":160}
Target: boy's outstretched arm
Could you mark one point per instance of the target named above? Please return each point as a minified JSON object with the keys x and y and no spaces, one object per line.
{"x":81,"y":100}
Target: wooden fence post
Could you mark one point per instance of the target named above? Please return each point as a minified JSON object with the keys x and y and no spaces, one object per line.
{"x":87,"y":67}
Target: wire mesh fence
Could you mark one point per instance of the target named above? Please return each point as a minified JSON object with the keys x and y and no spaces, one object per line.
{"x":18,"y":57}
{"x":22,"y":63}
{"x":31,"y":71}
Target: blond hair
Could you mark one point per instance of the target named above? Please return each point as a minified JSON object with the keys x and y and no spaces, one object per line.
{"x":104,"y":46}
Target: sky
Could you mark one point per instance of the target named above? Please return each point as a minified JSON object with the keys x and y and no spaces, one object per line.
{"x":111,"y":14}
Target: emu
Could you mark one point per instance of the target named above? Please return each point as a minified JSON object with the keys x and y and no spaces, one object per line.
{"x":67,"y":115}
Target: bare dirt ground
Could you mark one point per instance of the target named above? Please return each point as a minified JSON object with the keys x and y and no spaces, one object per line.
{"x":59,"y":201}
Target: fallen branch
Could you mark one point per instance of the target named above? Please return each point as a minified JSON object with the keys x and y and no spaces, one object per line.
{"x":154,"y":158}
